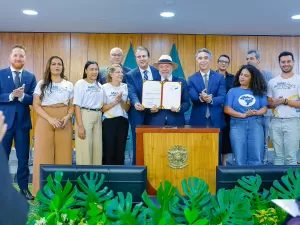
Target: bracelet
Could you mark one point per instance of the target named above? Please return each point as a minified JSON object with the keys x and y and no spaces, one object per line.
{"x":286,"y":101}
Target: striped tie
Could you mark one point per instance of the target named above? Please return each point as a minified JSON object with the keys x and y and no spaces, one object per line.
{"x":207,"y":114}
{"x":17,"y":79}
{"x":145,"y":75}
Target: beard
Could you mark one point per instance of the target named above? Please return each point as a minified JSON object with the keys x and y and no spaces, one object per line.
{"x":17,"y":66}
{"x":288,"y":70}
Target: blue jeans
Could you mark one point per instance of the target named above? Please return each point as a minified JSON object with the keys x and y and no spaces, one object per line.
{"x":247,"y":140}
{"x":266,"y":124}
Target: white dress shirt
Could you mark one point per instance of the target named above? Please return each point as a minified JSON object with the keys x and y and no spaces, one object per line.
{"x":149,"y":74}
{"x":13,"y":70}
{"x":169,"y":78}
{"x":202,"y":74}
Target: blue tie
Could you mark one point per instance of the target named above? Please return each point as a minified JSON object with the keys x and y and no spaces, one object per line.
{"x":145,"y":75}
{"x":17,"y":80}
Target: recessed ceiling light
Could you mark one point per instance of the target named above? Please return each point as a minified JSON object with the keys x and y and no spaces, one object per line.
{"x":167,"y":14}
{"x":30,"y":12}
{"x":296,"y":17}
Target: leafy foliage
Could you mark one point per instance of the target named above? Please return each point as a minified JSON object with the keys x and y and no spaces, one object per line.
{"x":91,"y":204}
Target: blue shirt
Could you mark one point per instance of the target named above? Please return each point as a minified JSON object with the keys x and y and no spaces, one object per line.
{"x":243,"y":99}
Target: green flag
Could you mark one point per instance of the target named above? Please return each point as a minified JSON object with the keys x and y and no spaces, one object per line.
{"x":175,"y":58}
{"x":130,"y":58}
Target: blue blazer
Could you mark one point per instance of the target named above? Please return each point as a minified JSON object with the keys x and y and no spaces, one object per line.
{"x":9,"y":108}
{"x":216,"y":87}
{"x":135,"y":90}
{"x":173,"y":118}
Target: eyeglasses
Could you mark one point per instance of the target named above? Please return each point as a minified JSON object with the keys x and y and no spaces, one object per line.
{"x":222,"y":61}
{"x":116,"y":55}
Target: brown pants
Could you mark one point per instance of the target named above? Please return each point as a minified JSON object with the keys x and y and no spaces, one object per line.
{"x":51,"y":146}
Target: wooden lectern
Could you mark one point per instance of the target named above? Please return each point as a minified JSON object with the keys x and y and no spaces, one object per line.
{"x":175,"y":154}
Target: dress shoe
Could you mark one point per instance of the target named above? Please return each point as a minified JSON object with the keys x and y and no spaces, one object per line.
{"x":26,"y":193}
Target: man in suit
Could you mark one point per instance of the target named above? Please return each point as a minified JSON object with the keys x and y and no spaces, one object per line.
{"x":207,"y":91}
{"x":115,"y":57}
{"x":16,"y":93}
{"x":135,"y":78}
{"x":173,"y":116}
{"x":14,"y":208}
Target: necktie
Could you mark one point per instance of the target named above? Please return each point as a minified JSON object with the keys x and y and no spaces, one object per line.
{"x":17,"y":80}
{"x":166,"y":80}
{"x":207,"y":114}
{"x":145,"y":75}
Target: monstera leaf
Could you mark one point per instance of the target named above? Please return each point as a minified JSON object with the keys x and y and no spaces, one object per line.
{"x":230,"y":207}
{"x":121,"y":210}
{"x":90,"y":190}
{"x":196,"y":196}
{"x":56,"y":199}
{"x":291,"y":185}
{"x":250,"y":187}
{"x":160,"y":214}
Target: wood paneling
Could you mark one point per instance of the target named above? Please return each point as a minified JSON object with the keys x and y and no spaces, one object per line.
{"x":125,"y":39}
{"x":200,"y":43}
{"x":201,"y":162}
{"x":240,"y":47}
{"x":92,"y":52}
{"x":79,"y":52}
{"x":270,"y":48}
{"x":105,"y":43}
{"x":219,"y":45}
{"x":186,"y":50}
{"x":58,"y":44}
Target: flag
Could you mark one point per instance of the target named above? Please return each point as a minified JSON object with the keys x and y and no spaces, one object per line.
{"x":179,"y":73}
{"x":175,"y":58}
{"x":130,"y":58}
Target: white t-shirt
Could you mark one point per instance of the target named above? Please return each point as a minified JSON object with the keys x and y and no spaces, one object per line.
{"x":109,"y":96}
{"x":88,"y":95}
{"x":58,"y":93}
{"x":287,"y":88}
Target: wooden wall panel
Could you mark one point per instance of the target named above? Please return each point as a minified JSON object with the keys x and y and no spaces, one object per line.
{"x":270,"y":48}
{"x":38,"y":59}
{"x":92,"y":48}
{"x":240,"y":47}
{"x":58,"y":44}
{"x":186,"y":50}
{"x":219,"y":45}
{"x":79,"y":52}
{"x":105,"y":43}
{"x":252,"y":42}
{"x":158,"y":44}
{"x":125,"y":39}
{"x":291,"y":44}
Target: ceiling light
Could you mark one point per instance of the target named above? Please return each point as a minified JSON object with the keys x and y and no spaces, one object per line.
{"x":296,"y":17}
{"x":30,"y":12}
{"x":167,"y":14}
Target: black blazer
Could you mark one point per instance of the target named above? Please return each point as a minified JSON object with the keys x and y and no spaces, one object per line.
{"x":14,"y":207}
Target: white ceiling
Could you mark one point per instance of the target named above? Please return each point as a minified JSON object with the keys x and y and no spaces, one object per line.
{"x":233,"y":17}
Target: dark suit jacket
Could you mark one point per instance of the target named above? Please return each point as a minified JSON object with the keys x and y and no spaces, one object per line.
{"x":9,"y":108}
{"x":135,"y":90}
{"x":173,"y":118}
{"x":14,"y":208}
{"x":216,"y":87}
{"x":102,"y":76}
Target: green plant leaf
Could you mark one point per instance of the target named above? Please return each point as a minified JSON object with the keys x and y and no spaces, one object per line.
{"x":290,"y":187}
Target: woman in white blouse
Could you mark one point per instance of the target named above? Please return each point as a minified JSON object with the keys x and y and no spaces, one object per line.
{"x":115,"y":118}
{"x":53,"y":97}
{"x":88,"y":101}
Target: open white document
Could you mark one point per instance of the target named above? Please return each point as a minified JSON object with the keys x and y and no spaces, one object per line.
{"x":151,"y":94}
{"x":171,"y":95}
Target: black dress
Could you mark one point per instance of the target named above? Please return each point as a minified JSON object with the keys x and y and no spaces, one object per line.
{"x":226,"y":146}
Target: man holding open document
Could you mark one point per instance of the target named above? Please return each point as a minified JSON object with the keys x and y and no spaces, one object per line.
{"x":167,"y":99}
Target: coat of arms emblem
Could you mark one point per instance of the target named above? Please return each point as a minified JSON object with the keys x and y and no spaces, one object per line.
{"x":177,"y":157}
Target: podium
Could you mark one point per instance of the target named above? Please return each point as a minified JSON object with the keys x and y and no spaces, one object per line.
{"x":175,"y":154}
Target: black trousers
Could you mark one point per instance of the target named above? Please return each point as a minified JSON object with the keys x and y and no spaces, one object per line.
{"x":114,"y":133}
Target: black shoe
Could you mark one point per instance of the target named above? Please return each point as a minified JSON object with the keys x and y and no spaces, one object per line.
{"x":26,"y":193}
